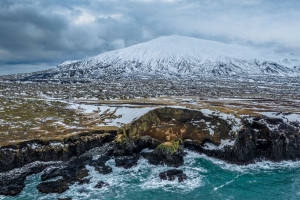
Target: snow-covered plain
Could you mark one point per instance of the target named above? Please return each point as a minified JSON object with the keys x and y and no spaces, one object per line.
{"x":125,"y":113}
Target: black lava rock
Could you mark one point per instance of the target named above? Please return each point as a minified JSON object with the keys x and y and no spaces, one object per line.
{"x":171,"y":174}
{"x":70,"y":174}
{"x":58,"y":186}
{"x":127,"y":161}
{"x":103,"y":169}
{"x":167,"y":153}
{"x":101,"y":184}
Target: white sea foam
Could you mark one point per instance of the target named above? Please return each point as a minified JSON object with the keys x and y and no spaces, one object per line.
{"x":227,"y":183}
{"x":250,"y":168}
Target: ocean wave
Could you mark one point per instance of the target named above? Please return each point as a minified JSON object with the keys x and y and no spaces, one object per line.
{"x":258,"y":166}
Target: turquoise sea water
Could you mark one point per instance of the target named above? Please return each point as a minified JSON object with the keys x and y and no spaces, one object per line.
{"x":207,"y":179}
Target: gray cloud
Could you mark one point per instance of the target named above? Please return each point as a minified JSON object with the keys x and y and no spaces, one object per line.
{"x":37,"y":34}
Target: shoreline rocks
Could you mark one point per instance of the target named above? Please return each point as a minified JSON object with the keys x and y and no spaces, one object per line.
{"x":172,"y":174}
{"x":161,"y":130}
{"x":17,"y":156}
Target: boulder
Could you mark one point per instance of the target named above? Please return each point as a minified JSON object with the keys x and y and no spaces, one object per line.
{"x":70,"y":174}
{"x":167,"y":153}
{"x":172,"y":174}
{"x":13,"y":186}
{"x":103,"y":169}
{"x":127,"y":161}
{"x":58,"y":186}
{"x":101,"y":184}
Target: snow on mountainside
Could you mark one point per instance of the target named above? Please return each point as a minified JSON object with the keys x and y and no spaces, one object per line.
{"x":180,"y":56}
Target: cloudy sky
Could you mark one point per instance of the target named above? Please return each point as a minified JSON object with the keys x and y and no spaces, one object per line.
{"x":38,"y":34}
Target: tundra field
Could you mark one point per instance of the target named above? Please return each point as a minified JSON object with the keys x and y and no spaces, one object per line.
{"x":51,"y":110}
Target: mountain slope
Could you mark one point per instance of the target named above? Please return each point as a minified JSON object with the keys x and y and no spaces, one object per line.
{"x":180,"y":56}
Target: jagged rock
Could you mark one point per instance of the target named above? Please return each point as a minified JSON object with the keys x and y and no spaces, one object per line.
{"x":13,"y":183}
{"x":16,"y":156}
{"x":70,"y":174}
{"x":124,"y":145}
{"x":260,"y":138}
{"x":101,"y":184}
{"x":127,"y":161}
{"x":100,"y":166}
{"x":147,"y":142}
{"x":171,"y":174}
{"x":64,"y":198}
{"x":58,"y":186}
{"x":12,"y":187}
{"x":103,"y":169}
{"x":168,"y":153}
{"x":100,"y":160}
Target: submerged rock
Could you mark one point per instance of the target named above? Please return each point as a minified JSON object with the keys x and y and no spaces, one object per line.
{"x":172,"y":174}
{"x":104,"y":169}
{"x":58,"y":186}
{"x":101,"y":184}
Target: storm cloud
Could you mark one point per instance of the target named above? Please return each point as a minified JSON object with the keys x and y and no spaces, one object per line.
{"x":35,"y":35}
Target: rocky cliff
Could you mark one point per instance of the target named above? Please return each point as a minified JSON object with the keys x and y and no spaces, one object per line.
{"x":167,"y":132}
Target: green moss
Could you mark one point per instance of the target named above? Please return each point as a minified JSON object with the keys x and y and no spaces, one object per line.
{"x":133,"y":131}
{"x":143,"y":126}
{"x":170,"y":147}
{"x":122,"y":137}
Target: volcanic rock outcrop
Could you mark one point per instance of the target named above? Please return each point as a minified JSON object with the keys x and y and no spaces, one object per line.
{"x":165,"y":132}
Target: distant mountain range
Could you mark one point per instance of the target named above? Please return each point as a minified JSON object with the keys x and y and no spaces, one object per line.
{"x":175,"y":56}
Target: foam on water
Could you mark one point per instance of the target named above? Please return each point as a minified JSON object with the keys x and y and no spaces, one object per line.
{"x":255,"y":167}
{"x":207,"y":177}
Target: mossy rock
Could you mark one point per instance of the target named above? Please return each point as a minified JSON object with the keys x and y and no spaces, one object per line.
{"x":170,"y":147}
{"x":122,"y":138}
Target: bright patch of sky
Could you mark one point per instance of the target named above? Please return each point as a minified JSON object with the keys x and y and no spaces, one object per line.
{"x":42,"y":34}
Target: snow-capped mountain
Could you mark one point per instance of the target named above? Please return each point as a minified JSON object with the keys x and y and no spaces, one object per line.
{"x":180,"y":56}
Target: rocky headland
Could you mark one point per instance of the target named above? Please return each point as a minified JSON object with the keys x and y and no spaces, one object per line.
{"x":161,"y":136}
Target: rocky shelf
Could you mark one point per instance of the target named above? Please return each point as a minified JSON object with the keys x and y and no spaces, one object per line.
{"x":167,"y":132}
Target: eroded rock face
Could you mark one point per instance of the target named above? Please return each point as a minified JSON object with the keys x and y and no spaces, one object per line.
{"x":27,"y":152}
{"x":259,"y":138}
{"x":13,"y":183}
{"x":162,"y":130}
{"x":166,"y":124}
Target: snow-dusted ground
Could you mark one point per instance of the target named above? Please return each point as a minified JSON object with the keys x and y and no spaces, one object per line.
{"x":125,"y":113}
{"x":287,"y":117}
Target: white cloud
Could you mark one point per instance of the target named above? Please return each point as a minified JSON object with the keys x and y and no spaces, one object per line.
{"x":33,"y":31}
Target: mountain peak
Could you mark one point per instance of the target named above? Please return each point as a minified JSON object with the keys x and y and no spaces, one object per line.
{"x":178,"y":56}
